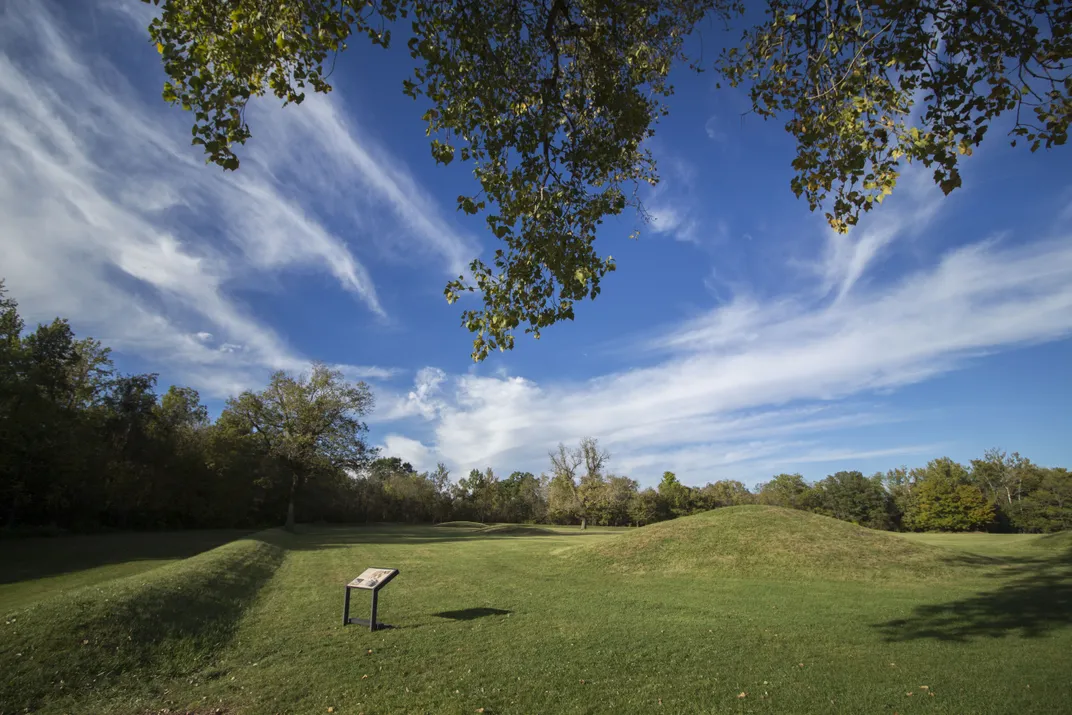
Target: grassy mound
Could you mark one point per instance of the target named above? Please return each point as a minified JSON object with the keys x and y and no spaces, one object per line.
{"x":461,"y":525}
{"x":761,"y":541}
{"x":165,"y":623}
{"x":516,"y":530}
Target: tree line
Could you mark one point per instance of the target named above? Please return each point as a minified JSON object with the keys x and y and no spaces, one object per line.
{"x":999,"y":492}
{"x":85,"y":447}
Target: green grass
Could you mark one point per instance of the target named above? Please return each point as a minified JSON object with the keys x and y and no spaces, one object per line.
{"x":750,"y":541}
{"x":993,"y":545}
{"x":517,"y":623}
{"x":31,"y":569}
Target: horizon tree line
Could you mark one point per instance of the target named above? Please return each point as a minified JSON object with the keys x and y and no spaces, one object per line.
{"x":84,"y":447}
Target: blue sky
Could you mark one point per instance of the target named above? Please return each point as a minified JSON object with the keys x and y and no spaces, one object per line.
{"x":739,"y":338}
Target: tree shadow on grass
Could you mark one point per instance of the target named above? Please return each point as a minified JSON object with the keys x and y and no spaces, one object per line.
{"x":469,"y":614}
{"x":1034,"y":598}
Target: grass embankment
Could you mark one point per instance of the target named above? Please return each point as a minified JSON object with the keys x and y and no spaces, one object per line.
{"x":767,"y":542}
{"x":159,"y":625}
{"x":35,"y":568}
{"x":587,"y":622}
{"x":518,"y":530}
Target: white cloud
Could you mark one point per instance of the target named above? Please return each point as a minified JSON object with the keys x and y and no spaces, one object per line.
{"x":848,"y":455}
{"x":672,"y":219}
{"x":409,"y":450}
{"x":713,"y":129}
{"x":347,"y":165}
{"x":718,"y":397}
{"x":424,"y":400}
{"x":113,"y":220}
{"x":848,"y":256}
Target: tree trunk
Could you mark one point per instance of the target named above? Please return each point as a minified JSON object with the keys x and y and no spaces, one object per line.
{"x":584,"y":523}
{"x":12,"y":510}
{"x":289,"y":526}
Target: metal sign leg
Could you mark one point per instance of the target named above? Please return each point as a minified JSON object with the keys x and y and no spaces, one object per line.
{"x":372,"y":620}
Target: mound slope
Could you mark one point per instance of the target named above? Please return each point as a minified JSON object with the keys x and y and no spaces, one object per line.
{"x":165,"y":623}
{"x":762,"y":541}
{"x":516,"y":530}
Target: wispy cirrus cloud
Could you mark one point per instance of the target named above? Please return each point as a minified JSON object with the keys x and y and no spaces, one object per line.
{"x":113,"y":220}
{"x":848,"y":256}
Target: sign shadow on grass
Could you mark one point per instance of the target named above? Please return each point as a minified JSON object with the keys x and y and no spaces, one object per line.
{"x":1033,"y":600}
{"x":469,"y":614}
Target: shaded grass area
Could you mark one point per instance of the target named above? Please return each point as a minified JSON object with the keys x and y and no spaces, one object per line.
{"x":162,"y":624}
{"x":523,"y":624}
{"x":1031,"y":596}
{"x":468,"y":614}
{"x":35,"y":568}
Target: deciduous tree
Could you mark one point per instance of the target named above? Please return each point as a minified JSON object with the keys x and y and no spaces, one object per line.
{"x":945,"y":500}
{"x":308,"y":422}
{"x":850,"y":496}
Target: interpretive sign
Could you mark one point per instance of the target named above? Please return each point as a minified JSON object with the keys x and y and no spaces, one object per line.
{"x":373,"y":578}
{"x":370,"y":580}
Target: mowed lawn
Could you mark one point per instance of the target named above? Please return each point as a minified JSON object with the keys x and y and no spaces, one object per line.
{"x":549,"y":621}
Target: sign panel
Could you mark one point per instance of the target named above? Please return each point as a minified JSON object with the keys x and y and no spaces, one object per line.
{"x":373,"y":578}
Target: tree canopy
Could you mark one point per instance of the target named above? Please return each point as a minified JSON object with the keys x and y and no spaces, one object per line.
{"x":551,"y":101}
{"x":310,"y":423}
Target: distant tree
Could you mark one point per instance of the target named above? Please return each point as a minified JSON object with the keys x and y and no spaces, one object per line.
{"x":12,"y":485}
{"x":522,"y":498}
{"x":785,"y":490}
{"x":309,"y":422}
{"x":565,"y":461}
{"x":899,"y":484}
{"x":645,"y":507}
{"x":383,"y":467}
{"x":563,"y":506}
{"x":850,"y":496}
{"x":618,"y":496}
{"x":439,"y":478}
{"x":675,"y":495}
{"x":1049,"y":505}
{"x":725,"y":492}
{"x":480,"y":491}
{"x":1006,"y":479}
{"x":593,"y":457}
{"x":944,"y":499}
{"x":578,"y":498}
{"x":180,"y":407}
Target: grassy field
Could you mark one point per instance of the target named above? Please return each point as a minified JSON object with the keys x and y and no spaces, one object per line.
{"x":749,"y":609}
